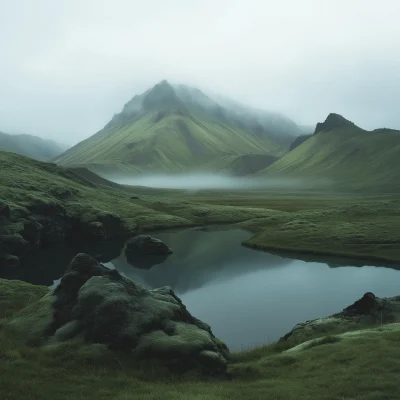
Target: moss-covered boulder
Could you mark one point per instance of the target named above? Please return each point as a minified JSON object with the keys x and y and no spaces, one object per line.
{"x":147,"y":245}
{"x":101,"y":306}
{"x":144,"y":251}
{"x":368,"y":311}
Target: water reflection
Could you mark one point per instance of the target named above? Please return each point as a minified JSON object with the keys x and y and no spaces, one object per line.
{"x":251,"y":298}
{"x":43,"y":266}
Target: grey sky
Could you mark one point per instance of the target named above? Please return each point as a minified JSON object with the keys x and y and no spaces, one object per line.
{"x":68,"y":65}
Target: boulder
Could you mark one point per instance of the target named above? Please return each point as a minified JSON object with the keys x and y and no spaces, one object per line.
{"x":32,"y":232}
{"x":13,"y":244}
{"x":8,"y":261}
{"x":96,"y":230}
{"x":368,"y":311}
{"x":101,"y":306}
{"x":147,"y":245}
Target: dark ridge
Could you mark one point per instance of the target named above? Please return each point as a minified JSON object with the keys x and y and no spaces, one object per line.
{"x":333,"y":121}
{"x":298,"y":141}
{"x":93,"y":178}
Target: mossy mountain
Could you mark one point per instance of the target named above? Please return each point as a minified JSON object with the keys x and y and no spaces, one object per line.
{"x":345,"y":154}
{"x":176,"y":128}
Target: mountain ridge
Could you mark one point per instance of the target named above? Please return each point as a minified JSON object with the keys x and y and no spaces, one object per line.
{"x":172,"y":128}
{"x":31,"y":146}
{"x":345,"y":154}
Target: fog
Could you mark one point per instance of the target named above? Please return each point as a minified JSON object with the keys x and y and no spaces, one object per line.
{"x":67,"y":66}
{"x":197,"y":181}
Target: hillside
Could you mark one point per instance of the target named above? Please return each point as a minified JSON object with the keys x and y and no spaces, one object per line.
{"x":173,"y":128}
{"x":347,"y":155}
{"x":30,"y":146}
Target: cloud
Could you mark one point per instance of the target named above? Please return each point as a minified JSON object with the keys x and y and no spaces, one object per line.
{"x":68,"y":66}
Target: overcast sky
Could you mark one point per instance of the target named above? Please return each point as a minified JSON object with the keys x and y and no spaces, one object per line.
{"x":66,"y":66}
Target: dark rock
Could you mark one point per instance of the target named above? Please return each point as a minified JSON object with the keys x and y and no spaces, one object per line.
{"x":104,"y":307}
{"x":9,"y":261}
{"x":32,"y":232}
{"x":113,"y":224}
{"x":147,"y":245}
{"x":333,"y":121}
{"x":96,"y":230}
{"x":13,"y":244}
{"x":104,"y":226}
{"x":5,"y":210}
{"x":363,"y":305}
{"x":365,"y":312}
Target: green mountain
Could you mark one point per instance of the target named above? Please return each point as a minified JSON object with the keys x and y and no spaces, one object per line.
{"x":30,"y":146}
{"x":173,"y":128}
{"x":347,"y":155}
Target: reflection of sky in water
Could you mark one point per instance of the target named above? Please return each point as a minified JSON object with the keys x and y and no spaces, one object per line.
{"x":248,"y":297}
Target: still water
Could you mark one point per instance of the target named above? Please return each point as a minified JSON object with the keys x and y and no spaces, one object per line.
{"x":250,"y":297}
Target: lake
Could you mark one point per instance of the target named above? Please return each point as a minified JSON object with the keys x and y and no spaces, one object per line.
{"x":249,"y":297}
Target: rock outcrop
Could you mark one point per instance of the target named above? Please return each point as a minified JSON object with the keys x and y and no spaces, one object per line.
{"x":144,"y":251}
{"x":368,"y":311}
{"x":147,"y":245}
{"x":333,"y":121}
{"x":42,"y":225}
{"x":101,"y":306}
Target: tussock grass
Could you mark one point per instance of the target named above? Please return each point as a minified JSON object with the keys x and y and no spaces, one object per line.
{"x":362,"y":366}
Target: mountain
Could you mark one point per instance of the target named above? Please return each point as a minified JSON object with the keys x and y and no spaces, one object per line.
{"x":173,"y":128}
{"x":347,"y":155}
{"x":30,"y":146}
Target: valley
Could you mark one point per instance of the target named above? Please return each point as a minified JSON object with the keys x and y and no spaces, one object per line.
{"x":267,"y":231}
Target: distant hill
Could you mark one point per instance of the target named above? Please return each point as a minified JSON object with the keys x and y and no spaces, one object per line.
{"x":349,"y":156}
{"x":175,"y":128}
{"x":30,"y":146}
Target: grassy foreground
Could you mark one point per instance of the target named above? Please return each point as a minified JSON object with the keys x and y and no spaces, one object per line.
{"x":363,"y":366}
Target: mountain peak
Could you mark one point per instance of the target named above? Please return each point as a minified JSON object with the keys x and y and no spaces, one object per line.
{"x":333,"y":121}
{"x":161,"y":96}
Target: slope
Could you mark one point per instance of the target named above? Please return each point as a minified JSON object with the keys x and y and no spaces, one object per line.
{"x":173,"y":129}
{"x":345,"y":154}
{"x":31,"y":146}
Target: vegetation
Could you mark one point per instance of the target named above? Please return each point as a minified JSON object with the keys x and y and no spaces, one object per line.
{"x":176,"y":129}
{"x":348,"y":225}
{"x":364,"y":225}
{"x":360,"y":366}
{"x":348,"y":156}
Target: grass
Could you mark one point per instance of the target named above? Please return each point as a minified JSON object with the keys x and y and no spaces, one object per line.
{"x":336,"y":224}
{"x":362,"y":366}
{"x":32,"y":187}
{"x":174,"y":143}
{"x":348,"y":156}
